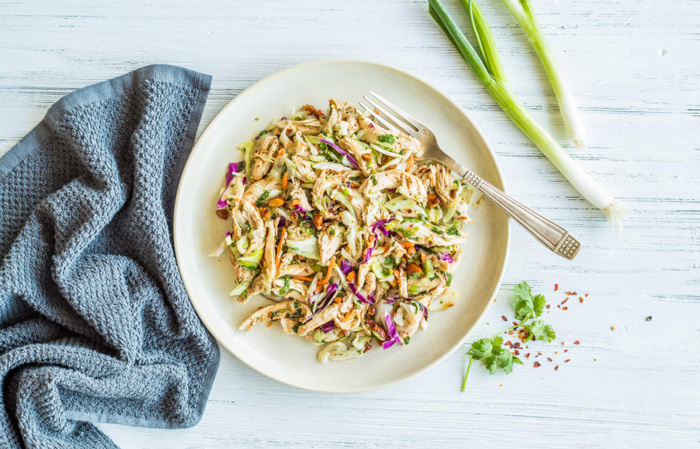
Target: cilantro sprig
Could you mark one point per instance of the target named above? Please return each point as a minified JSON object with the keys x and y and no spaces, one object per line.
{"x":491,"y":351}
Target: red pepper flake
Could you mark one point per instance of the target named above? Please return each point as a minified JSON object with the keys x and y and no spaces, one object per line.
{"x":504,"y":318}
{"x":537,"y":364}
{"x":527,"y":356}
{"x":548,"y":306}
{"x":564,"y":301}
{"x":508,"y":343}
{"x":516,"y":345}
{"x":567,"y":360}
{"x":559,"y":306}
{"x":564,"y":308}
{"x":515,"y":323}
{"x":556,"y":368}
{"x":516,"y":352}
{"x":539,"y":353}
{"x":580,"y":299}
{"x":549,"y":359}
{"x":494,"y":299}
{"x":577,"y":342}
{"x":556,"y":287}
{"x":586,"y":295}
{"x":566,"y":350}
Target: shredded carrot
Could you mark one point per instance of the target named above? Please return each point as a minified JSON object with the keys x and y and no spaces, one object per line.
{"x":337,"y":299}
{"x":270,"y":323}
{"x":303,"y":278}
{"x":278,"y":260}
{"x":280,"y":153}
{"x":318,"y":289}
{"x":348,"y":315}
{"x":285,"y":180}
{"x":351,"y":276}
{"x":409,"y":164}
{"x":406,"y":244}
{"x":330,"y":271}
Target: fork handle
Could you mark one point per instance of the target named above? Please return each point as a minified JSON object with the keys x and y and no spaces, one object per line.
{"x":550,"y":234}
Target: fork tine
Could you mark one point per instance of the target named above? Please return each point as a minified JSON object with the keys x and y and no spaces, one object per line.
{"x":381,"y":120}
{"x":404,"y":115}
{"x":407,"y":129}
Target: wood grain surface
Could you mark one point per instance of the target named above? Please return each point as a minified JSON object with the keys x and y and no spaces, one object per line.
{"x":634,"y":67}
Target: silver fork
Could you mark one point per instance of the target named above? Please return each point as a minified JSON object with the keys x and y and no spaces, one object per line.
{"x":550,"y":234}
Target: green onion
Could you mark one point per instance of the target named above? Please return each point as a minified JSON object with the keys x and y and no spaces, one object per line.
{"x":525,"y":16}
{"x":490,"y":73}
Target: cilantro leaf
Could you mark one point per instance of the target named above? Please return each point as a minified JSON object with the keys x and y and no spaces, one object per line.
{"x":386,"y":138}
{"x":525,"y":305}
{"x":483,"y":348}
{"x":494,"y":356}
{"x":539,"y":302}
{"x":541,"y":331}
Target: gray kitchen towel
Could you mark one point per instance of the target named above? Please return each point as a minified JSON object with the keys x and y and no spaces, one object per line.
{"x":95,"y":323}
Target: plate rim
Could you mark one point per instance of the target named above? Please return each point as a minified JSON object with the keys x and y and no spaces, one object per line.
{"x":213,"y":123}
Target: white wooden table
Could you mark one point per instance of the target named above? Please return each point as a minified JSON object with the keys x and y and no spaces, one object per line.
{"x":634,"y":66}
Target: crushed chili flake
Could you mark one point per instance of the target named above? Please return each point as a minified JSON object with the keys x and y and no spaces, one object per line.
{"x":564,"y":308}
{"x":559,"y":306}
{"x":586,"y":295}
{"x":612,"y":328}
{"x":539,"y":353}
{"x":556,"y":287}
{"x":527,"y":356}
{"x":537,"y":364}
{"x":504,"y":318}
{"x":516,"y":352}
{"x":548,"y":306}
{"x":580,"y":299}
{"x":566,"y":350}
{"x":564,"y":301}
{"x":562,"y":343}
{"x":577,"y":342}
{"x":494,"y":299}
{"x":567,"y":360}
{"x":556,"y":368}
{"x":549,"y":359}
{"x":648,"y":318}
{"x":515,"y":323}
{"x":508,"y":343}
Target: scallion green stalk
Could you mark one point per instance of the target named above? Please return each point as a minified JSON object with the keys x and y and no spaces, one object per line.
{"x":525,"y":16}
{"x":491,"y":75}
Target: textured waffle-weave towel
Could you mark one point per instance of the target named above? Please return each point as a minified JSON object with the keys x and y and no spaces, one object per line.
{"x":95,"y":323}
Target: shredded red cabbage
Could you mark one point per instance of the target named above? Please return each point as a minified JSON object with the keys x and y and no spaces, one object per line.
{"x":327,"y":327}
{"x":351,"y":159}
{"x":393,"y":333}
{"x":360,"y":296}
{"x":331,"y":292}
{"x":446,"y":256}
{"x":298,"y":208}
{"x":368,"y":254}
{"x":233,"y":167}
{"x":282,"y":223}
{"x":378,"y":225}
{"x":392,"y":299}
{"x":345,"y":266}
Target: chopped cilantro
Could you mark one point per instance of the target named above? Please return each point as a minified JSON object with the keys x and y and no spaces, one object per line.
{"x":386,"y":138}
{"x":453,"y":231}
{"x":263,"y":132}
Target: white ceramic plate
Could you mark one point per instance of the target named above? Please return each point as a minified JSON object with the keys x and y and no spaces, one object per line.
{"x":208,"y":280}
